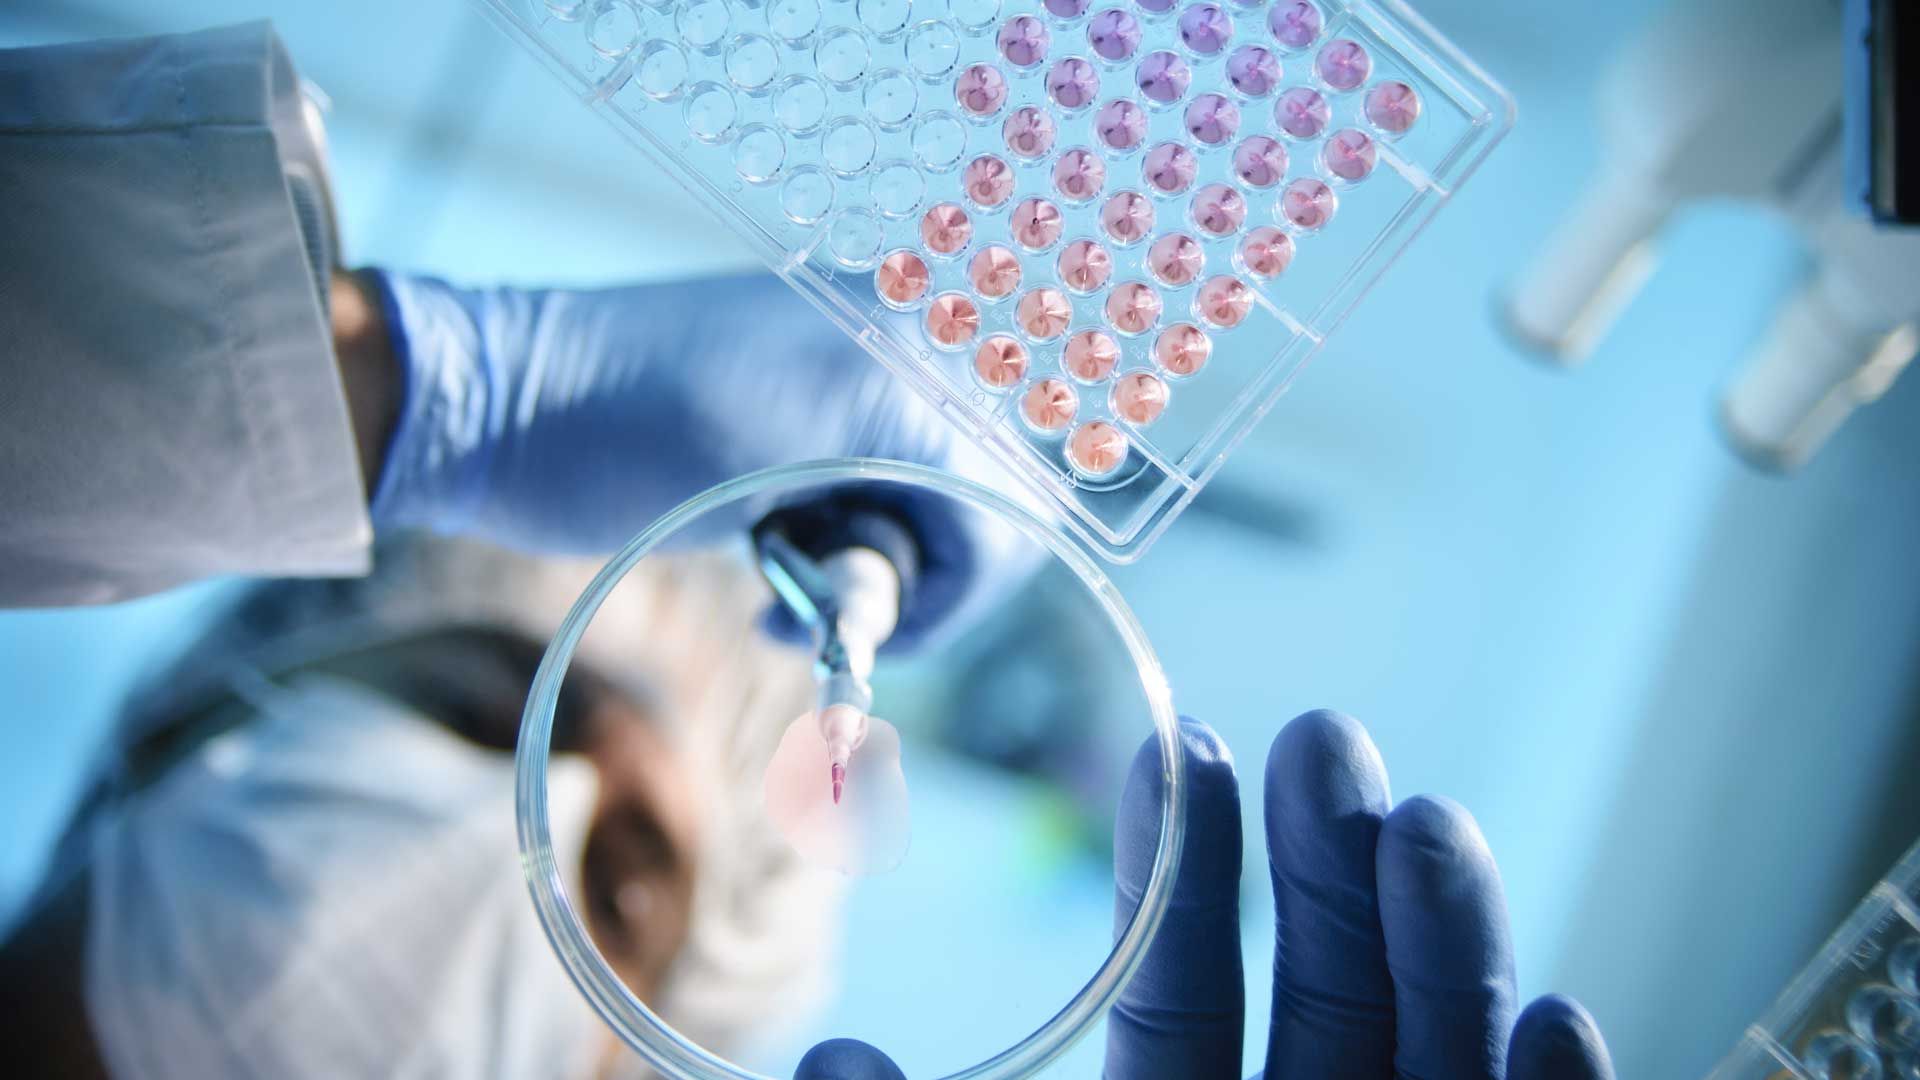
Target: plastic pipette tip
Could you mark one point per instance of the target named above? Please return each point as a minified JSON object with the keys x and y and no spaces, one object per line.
{"x":839,"y":781}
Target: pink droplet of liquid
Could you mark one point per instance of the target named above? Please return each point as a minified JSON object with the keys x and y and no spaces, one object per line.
{"x":1029,"y":132}
{"x":1163,"y":77}
{"x":1349,"y":155}
{"x":1308,"y":204}
{"x":1393,"y":107}
{"x":1097,"y":448}
{"x":1182,"y":349}
{"x":995,"y":272}
{"x":1036,"y":224}
{"x":1212,"y":120}
{"x":1267,"y":252}
{"x":1133,"y":307}
{"x":1044,"y":313}
{"x":1260,"y":161}
{"x":945,"y":229}
{"x":1175,"y":259}
{"x":952,"y":320}
{"x":1169,"y":168}
{"x":980,"y":89}
{"x":1114,"y":34}
{"x":1090,"y":355}
{"x":902,"y":278}
{"x":1127,"y":217}
{"x":1023,"y":40}
{"x":1295,"y":24}
{"x":1224,"y":302}
{"x":1000,"y":362}
{"x":1302,"y":112}
{"x":1205,"y":28}
{"x":1219,"y":210}
{"x":1068,"y":9}
{"x":1139,"y":397}
{"x":1049,"y":405}
{"x":1343,"y":64}
{"x":1085,"y":266}
{"x":867,"y":829}
{"x":1079,"y":175}
{"x":988,"y":180}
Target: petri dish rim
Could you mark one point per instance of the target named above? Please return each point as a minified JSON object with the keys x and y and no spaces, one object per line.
{"x":678,"y":1057}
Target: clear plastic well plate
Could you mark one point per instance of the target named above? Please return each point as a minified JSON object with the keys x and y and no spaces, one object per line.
{"x":1100,"y":235}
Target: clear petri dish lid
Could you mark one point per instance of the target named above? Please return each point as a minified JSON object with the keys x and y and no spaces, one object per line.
{"x":715,"y":946}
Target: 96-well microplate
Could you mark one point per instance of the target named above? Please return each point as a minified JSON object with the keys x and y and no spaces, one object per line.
{"x":1100,"y":235}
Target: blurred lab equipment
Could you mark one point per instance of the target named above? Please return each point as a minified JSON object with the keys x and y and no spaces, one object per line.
{"x":1853,"y":1013}
{"x":1735,"y":99}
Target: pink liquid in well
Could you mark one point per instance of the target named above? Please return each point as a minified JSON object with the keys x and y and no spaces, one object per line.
{"x":1219,"y":210}
{"x":1176,"y":259}
{"x":1267,"y":252}
{"x":1049,"y":405}
{"x":1073,"y":83}
{"x":1133,"y":307}
{"x":1260,"y":161}
{"x":995,"y":272}
{"x":1224,"y":302}
{"x":1023,"y":40}
{"x":988,"y":180}
{"x":945,"y":229}
{"x":1000,"y":362}
{"x":1067,"y":9}
{"x":1206,"y":29}
{"x":980,"y":89}
{"x":1163,"y":77}
{"x":1127,"y":217}
{"x":1349,"y":155}
{"x":1079,"y":174}
{"x":1182,"y":349}
{"x":1085,"y":266}
{"x":1036,"y":224}
{"x":1253,"y":70}
{"x":1097,"y":448}
{"x":1114,"y":34}
{"x":1090,"y":355}
{"x":1029,"y":132}
{"x":1044,"y":313}
{"x":868,"y":829}
{"x":1393,"y":107}
{"x":952,"y":320}
{"x":1308,"y":204}
{"x":1169,"y":168}
{"x":1212,"y":120}
{"x":1121,"y":124}
{"x":902,"y":278}
{"x":1295,"y":24}
{"x":1139,"y":397}
{"x":1302,"y":112}
{"x":1343,"y":64}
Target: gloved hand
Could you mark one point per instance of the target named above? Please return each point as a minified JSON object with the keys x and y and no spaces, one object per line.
{"x":1393,"y":956}
{"x":564,"y":422}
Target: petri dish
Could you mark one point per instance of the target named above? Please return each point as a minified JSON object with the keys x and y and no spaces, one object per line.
{"x":1071,"y":599}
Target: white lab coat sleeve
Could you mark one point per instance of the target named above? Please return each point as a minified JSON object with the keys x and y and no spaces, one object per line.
{"x":170,"y":407}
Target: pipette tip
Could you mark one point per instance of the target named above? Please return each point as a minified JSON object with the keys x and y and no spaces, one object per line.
{"x":839,"y":781}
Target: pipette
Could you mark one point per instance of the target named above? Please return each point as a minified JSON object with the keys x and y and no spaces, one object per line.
{"x":841,"y":577}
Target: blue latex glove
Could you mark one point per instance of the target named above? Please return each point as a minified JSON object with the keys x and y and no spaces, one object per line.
{"x":1393,"y":957}
{"x":565,"y":421}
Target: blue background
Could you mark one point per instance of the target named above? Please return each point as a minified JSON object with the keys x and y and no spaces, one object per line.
{"x":1680,"y":696}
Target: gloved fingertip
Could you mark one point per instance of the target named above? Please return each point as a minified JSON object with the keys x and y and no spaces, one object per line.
{"x":1213,"y":809}
{"x":1325,"y":763}
{"x":846,"y":1059}
{"x":1556,"y":1039}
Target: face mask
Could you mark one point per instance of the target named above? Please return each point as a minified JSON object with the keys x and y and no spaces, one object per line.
{"x":332,"y":889}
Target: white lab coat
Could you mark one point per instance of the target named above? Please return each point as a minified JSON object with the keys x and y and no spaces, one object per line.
{"x":170,"y":407}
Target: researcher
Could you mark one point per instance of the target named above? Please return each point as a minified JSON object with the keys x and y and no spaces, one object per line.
{"x":195,"y":388}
